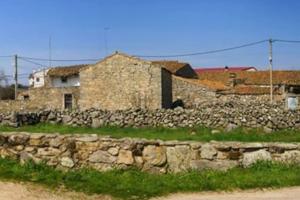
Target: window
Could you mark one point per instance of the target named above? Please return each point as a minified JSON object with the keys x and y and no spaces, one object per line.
{"x":68,"y":101}
{"x":26,"y":97}
{"x":37,"y":79}
{"x":292,"y":103}
{"x":64,"y":79}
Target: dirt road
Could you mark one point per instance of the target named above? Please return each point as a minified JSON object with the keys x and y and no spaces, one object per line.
{"x":281,"y":194}
{"x":20,"y":191}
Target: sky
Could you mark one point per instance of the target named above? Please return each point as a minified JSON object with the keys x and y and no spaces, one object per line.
{"x":79,"y":29}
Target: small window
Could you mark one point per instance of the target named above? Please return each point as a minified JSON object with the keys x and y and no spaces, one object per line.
{"x":37,"y":79}
{"x":26,"y":97}
{"x":68,"y":101}
{"x":64,"y":79}
{"x":292,"y":103}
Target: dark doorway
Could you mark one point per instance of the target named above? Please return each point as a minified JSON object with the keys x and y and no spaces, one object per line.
{"x":68,"y":101}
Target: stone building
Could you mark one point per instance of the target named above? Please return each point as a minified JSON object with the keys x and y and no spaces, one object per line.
{"x":117,"y":82}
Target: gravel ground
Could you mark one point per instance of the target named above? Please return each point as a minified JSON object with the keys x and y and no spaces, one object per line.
{"x":279,"y":194}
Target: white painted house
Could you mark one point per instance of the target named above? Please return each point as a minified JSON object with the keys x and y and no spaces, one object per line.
{"x":37,"y":78}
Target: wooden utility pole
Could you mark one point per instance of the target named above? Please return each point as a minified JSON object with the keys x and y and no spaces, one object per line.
{"x":271,"y":69}
{"x":16,"y":76}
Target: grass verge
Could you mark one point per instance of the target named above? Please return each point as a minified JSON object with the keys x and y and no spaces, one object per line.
{"x":197,"y":134}
{"x":134,"y":184}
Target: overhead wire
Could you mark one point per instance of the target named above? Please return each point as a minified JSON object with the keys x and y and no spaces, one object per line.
{"x":204,"y":52}
{"x":58,"y":60}
{"x":32,"y":62}
{"x":287,"y":41}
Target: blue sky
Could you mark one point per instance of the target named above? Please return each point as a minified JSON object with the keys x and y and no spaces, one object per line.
{"x":155,"y":27}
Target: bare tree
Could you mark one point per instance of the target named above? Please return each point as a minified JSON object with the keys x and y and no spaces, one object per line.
{"x":6,"y":91}
{"x":3,"y":79}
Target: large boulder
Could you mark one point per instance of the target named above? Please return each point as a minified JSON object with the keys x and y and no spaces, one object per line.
{"x":155,"y":155}
{"x":252,"y":157}
{"x":102,"y":157}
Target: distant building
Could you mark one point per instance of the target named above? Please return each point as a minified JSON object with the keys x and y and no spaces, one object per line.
{"x":37,"y":78}
{"x":225,"y":69}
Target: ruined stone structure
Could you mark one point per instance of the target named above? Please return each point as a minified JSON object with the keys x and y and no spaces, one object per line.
{"x":104,"y":153}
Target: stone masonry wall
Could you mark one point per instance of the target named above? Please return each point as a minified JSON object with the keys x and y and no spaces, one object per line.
{"x":228,"y":115}
{"x":121,"y":82}
{"x":39,"y":99}
{"x":104,"y":153}
{"x":193,"y":94}
{"x":190,"y":93}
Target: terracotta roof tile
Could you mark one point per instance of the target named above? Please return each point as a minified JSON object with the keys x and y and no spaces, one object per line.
{"x":66,"y":70}
{"x":254,"y":78}
{"x":224,"y":69}
{"x":214,"y":85}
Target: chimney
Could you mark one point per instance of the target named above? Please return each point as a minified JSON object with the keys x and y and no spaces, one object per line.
{"x":226,"y":68}
{"x":232,"y":79}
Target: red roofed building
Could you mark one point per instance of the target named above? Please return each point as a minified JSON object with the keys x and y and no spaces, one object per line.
{"x":225,"y":69}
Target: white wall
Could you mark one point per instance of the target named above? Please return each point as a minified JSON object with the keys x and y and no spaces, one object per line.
{"x":38,"y":79}
{"x":71,"y":81}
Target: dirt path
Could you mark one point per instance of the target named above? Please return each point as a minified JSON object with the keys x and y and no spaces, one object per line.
{"x":21,"y":191}
{"x":281,"y":194}
{"x":25,"y":191}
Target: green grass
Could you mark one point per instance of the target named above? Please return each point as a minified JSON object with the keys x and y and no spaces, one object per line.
{"x":133,"y":184}
{"x":197,"y":134}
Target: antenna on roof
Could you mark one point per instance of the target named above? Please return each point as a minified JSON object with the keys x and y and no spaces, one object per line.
{"x":50,"y":51}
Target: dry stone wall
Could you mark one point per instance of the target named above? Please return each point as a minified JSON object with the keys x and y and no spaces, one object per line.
{"x":104,"y":153}
{"x":190,"y":93}
{"x":228,"y":115}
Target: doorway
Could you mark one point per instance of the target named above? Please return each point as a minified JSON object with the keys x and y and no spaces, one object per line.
{"x":68,"y":101}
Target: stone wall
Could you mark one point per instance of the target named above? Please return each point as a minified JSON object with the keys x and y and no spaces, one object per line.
{"x":190,"y":93}
{"x":121,"y":82}
{"x":39,"y":99}
{"x":104,"y":153}
{"x":228,"y":115}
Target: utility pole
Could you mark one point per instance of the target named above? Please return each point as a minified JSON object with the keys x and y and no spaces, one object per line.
{"x":16,"y":76}
{"x":271,"y":68}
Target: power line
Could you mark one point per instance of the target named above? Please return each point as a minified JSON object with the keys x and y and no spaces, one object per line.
{"x":6,"y":56}
{"x":32,"y":62}
{"x":175,"y":55}
{"x":287,"y":41}
{"x":159,"y":56}
{"x":58,"y":60}
{"x":205,"y":52}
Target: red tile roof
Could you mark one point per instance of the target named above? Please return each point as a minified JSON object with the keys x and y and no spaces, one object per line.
{"x":254,"y":78}
{"x":224,"y":69}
